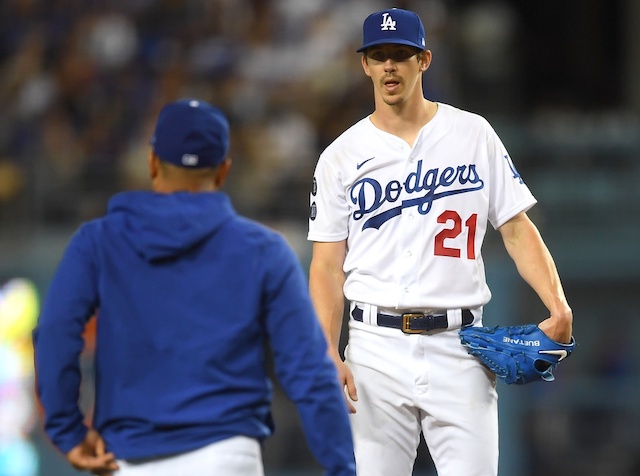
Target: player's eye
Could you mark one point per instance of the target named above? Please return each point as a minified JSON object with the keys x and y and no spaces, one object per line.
{"x":377,"y":56}
{"x":396,"y":55}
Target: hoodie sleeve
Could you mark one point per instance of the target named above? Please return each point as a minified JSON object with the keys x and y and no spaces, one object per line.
{"x":302,"y":366}
{"x":58,"y":341}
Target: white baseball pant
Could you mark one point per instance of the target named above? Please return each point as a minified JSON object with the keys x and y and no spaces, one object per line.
{"x":408,"y":383}
{"x":236,"y":456}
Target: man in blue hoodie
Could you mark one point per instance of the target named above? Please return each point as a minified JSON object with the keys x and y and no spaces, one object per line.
{"x":187,"y":296}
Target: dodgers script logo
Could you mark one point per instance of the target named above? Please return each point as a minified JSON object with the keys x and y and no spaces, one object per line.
{"x":369,"y":195}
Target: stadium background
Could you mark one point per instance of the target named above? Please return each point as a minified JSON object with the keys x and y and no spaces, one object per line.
{"x":81,"y":82}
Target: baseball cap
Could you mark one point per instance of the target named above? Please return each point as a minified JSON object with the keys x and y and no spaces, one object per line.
{"x":191,"y":133}
{"x":393,"y":25}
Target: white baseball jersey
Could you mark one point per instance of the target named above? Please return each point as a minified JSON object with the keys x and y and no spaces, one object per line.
{"x":415,"y":217}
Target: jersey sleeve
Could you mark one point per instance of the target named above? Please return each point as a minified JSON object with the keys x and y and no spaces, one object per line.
{"x":329,"y":210}
{"x":302,"y":364}
{"x":509,"y":195}
{"x":58,"y":341}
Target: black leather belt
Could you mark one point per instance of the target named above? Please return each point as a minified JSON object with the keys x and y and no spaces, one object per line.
{"x":415,"y":322}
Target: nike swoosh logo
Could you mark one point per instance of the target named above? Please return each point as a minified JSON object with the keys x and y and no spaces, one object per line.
{"x":362,"y":163}
{"x":561,"y":353}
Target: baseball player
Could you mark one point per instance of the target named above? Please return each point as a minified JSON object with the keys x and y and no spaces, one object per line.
{"x":187,"y":295}
{"x":399,"y":208}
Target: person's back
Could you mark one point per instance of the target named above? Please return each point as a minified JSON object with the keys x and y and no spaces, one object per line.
{"x":188,"y":295}
{"x":182,"y":282}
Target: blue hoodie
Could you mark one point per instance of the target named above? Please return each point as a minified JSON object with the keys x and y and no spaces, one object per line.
{"x":189,"y":296}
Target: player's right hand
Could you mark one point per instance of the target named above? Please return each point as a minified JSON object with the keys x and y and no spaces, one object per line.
{"x":90,"y":455}
{"x":345,"y":377}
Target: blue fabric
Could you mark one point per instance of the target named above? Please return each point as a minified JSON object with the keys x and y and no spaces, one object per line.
{"x":189,"y":296}
{"x":191,"y":133}
{"x":393,"y":26}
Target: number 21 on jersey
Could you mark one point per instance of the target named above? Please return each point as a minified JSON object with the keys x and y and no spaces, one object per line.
{"x":453,"y":229}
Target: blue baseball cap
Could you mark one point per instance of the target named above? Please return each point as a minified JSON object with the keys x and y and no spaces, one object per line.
{"x":191,"y":133}
{"x":393,"y":25}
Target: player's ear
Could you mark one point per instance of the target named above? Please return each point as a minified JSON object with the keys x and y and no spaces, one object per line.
{"x":425,"y":60}
{"x":365,"y":65}
{"x":152,"y":162}
{"x":221,"y":172}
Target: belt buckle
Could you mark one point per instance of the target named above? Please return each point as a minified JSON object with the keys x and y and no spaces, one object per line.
{"x":406,"y":322}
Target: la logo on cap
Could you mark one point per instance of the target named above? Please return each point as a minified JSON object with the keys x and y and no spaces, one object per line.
{"x":388,"y":23}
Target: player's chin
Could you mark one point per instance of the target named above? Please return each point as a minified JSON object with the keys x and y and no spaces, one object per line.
{"x":392,"y":99}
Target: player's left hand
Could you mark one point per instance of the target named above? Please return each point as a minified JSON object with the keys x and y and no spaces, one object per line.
{"x":516,"y":354}
{"x":559,"y":326}
{"x":91,"y":455}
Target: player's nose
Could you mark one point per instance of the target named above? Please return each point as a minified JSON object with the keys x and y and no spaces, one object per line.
{"x":390,"y":65}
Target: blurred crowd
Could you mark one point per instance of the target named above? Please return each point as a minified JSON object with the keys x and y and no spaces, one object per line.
{"x":81,"y":82}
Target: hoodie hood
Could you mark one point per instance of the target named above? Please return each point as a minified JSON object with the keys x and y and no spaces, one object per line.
{"x":160,"y":225}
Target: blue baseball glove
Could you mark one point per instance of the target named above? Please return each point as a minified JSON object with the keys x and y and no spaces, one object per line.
{"x":516,"y":354}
